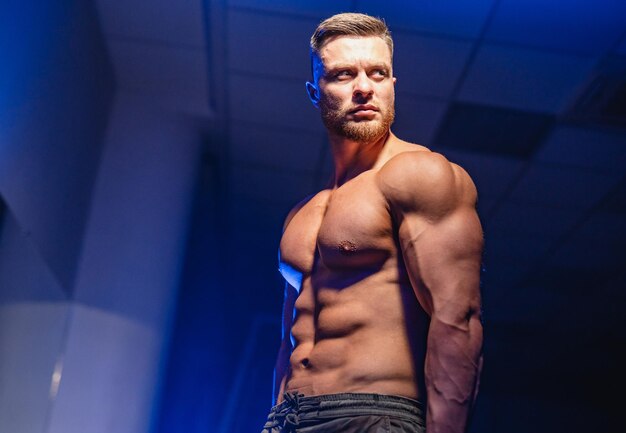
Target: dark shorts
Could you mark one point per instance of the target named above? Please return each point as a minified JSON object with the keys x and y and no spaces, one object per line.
{"x":346,"y":413}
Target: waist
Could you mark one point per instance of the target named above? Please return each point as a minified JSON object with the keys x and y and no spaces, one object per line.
{"x":349,"y":404}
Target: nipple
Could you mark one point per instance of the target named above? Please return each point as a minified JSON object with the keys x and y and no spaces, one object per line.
{"x":347,"y":247}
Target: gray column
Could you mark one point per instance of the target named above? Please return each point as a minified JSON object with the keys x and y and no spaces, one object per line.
{"x":128,"y":274}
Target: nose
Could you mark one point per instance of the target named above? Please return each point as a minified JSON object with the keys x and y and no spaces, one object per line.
{"x":363,"y":86}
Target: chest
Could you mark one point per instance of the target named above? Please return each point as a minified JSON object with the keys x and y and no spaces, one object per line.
{"x":349,"y":227}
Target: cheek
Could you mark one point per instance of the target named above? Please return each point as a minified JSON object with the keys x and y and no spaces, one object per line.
{"x":388,"y":95}
{"x":332,"y":101}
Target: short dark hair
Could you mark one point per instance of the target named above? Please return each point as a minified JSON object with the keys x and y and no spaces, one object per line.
{"x":349,"y":24}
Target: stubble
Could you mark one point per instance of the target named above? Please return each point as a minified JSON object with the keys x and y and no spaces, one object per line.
{"x":361,"y":131}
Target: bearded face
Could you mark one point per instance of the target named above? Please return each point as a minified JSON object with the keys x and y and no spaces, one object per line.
{"x":337,"y":119}
{"x":355,"y":87}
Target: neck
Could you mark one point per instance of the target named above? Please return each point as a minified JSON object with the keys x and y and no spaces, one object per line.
{"x":352,"y":158}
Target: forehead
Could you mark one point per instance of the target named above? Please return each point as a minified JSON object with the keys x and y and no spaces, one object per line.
{"x":354,"y":49}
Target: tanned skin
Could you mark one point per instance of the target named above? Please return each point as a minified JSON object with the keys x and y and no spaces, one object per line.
{"x":382,"y":267}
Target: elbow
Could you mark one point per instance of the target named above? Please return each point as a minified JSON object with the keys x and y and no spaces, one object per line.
{"x":462,"y":318}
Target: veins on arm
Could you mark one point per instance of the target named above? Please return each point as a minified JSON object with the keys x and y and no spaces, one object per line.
{"x":441,"y":241}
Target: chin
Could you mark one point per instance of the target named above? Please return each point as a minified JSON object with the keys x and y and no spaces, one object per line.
{"x":364,"y":136}
{"x":364,"y":131}
{"x":361,"y":131}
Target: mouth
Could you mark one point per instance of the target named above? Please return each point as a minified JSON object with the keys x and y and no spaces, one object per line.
{"x":364,"y":112}
{"x":364,"y":109}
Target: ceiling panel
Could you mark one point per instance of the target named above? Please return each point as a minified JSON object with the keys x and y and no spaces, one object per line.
{"x":155,"y":20}
{"x":524,"y":79}
{"x":270,"y":186}
{"x":562,"y":187}
{"x":550,"y":223}
{"x":269,"y":45}
{"x":463,"y":18}
{"x":591,"y":148}
{"x":583,"y":26}
{"x":272,"y":102}
{"x":428,"y":66}
{"x":493,"y":175}
{"x":317,"y":8}
{"x":173,"y":77}
{"x":494,"y":130}
{"x":417,"y":119}
{"x":279,"y":148}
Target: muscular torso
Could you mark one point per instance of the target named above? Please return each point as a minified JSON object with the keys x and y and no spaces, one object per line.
{"x":357,"y":325}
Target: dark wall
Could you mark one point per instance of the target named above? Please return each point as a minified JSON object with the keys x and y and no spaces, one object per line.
{"x":219,"y":373}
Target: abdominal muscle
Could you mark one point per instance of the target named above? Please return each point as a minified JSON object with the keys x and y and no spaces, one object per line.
{"x":364,"y":338}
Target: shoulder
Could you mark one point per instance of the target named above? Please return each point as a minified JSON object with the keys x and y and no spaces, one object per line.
{"x":294,"y":210}
{"x":302,"y":203}
{"x":425,"y":181}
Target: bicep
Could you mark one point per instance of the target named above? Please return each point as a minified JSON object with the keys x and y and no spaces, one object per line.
{"x":443,"y":259}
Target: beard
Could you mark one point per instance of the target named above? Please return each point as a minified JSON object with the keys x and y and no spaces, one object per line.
{"x":361,"y":131}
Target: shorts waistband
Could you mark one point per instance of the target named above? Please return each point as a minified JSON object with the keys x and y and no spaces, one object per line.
{"x":347,"y":402}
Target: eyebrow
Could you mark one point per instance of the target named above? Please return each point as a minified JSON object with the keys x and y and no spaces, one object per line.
{"x":340,"y":66}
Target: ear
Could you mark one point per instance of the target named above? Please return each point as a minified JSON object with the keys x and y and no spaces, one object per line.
{"x":394,"y":81}
{"x":314,"y":93}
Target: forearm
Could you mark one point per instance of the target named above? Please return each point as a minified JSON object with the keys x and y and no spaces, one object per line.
{"x":453,"y":364}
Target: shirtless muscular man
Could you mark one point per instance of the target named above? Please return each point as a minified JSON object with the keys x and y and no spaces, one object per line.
{"x":381,"y":328}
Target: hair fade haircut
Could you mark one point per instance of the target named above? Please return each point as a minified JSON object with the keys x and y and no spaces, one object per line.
{"x":349,"y":24}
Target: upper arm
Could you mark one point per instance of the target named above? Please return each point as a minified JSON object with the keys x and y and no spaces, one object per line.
{"x":291,"y":293}
{"x":288,"y":306}
{"x":433,"y":203}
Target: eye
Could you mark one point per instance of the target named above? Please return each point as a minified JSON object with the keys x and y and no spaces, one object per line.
{"x":343,"y":74}
{"x":381,"y":73}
